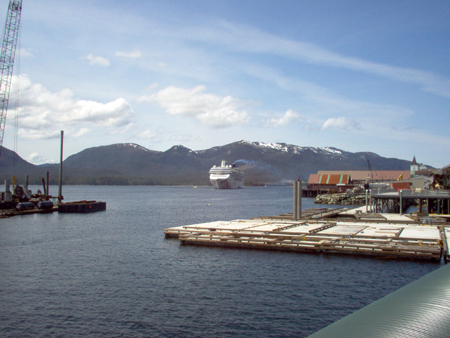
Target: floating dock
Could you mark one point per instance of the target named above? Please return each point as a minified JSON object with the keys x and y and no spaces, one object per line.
{"x":69,"y":207}
{"x":81,"y":207}
{"x":6,"y":213}
{"x":382,"y":235}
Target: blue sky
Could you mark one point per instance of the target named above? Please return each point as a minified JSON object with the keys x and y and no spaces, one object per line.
{"x":355,"y":75}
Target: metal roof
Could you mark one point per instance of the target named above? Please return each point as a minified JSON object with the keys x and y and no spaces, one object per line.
{"x":377,"y":175}
{"x":419,"y":309}
{"x":334,"y":179}
{"x":328,"y":179}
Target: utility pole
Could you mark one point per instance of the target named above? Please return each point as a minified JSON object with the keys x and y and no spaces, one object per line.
{"x":60,"y":197}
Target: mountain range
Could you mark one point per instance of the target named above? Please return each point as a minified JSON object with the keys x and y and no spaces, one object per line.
{"x":132,"y":164}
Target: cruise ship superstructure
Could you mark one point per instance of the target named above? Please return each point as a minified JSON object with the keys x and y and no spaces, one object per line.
{"x":226,"y":176}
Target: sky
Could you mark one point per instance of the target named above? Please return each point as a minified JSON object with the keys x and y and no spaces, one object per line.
{"x":356,"y":75}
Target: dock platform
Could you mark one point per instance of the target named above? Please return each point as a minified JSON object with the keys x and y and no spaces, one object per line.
{"x":6,"y":213}
{"x":382,"y":236}
{"x":68,"y":207}
{"x":81,"y":207}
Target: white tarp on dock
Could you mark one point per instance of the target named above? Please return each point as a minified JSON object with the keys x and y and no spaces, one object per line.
{"x":421,"y":232}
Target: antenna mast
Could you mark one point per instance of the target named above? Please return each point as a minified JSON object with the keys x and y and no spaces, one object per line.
{"x":7,"y":59}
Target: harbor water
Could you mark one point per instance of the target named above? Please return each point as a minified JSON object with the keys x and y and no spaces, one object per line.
{"x":113,"y":273}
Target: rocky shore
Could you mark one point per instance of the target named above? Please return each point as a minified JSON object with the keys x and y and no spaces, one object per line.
{"x":342,"y":198}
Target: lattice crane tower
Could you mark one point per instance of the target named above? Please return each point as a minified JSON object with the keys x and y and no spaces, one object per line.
{"x":7,"y":57}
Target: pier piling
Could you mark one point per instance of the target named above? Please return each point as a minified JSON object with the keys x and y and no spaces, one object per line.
{"x":297,"y":212}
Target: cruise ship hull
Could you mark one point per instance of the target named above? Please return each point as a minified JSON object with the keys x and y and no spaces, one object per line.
{"x":227,"y":183}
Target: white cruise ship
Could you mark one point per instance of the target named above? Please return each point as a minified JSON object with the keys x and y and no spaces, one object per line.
{"x":226,"y":177}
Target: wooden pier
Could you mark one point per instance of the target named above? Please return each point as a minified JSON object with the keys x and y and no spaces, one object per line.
{"x":429,"y":201}
{"x":382,"y":236}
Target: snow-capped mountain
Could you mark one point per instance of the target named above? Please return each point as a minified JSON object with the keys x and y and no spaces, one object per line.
{"x":128,"y":163}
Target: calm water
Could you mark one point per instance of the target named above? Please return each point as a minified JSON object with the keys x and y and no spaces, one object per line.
{"x":113,"y":274}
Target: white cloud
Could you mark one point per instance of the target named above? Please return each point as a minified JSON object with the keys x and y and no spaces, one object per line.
{"x":287,"y":118}
{"x":35,"y":158}
{"x":38,"y":134}
{"x":146,"y":134}
{"x":180,"y":138}
{"x":112,"y":114}
{"x":42,"y":114}
{"x":97,"y":60}
{"x":152,"y":86}
{"x":24,"y":53}
{"x":237,"y":37}
{"x":341,"y":123}
{"x":321,"y":102}
{"x":81,"y":132}
{"x":136,"y":54}
{"x":210,"y":109}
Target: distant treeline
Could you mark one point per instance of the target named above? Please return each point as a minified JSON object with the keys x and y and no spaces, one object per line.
{"x":127,"y":180}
